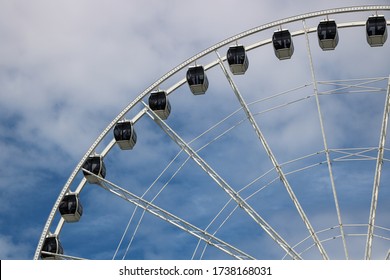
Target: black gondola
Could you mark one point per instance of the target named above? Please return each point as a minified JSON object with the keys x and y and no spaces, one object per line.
{"x":283,"y":44}
{"x":376,"y":31}
{"x":237,"y":59}
{"x":197,"y":80}
{"x":70,"y":208}
{"x":328,"y":36}
{"x":52,"y":245}
{"x":159,"y":103}
{"x":125,"y":135}
{"x":95,"y":165}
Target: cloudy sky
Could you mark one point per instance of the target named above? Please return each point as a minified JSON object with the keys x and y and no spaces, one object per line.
{"x":67,"y":68}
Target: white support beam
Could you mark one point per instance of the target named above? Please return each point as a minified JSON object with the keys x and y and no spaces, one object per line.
{"x":225,"y":186}
{"x":378,"y":173}
{"x":325,"y":142}
{"x":172,"y":219}
{"x":273,"y":159}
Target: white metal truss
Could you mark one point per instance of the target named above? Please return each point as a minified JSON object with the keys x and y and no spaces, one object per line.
{"x":181,"y":66}
{"x":353,"y":86}
{"x":273,"y":159}
{"x":224,"y":185}
{"x":333,"y":237}
{"x":352,"y":154}
{"x":170,"y":218}
{"x":378,"y":173}
{"x":325,"y":142}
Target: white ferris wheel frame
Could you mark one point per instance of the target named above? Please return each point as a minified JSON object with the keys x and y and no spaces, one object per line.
{"x":186,"y":226}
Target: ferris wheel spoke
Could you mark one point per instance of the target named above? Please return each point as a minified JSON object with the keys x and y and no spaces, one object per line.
{"x":170,"y":218}
{"x":273,"y":159}
{"x":224,"y":185}
{"x":325,"y":143}
{"x":378,"y":173}
{"x":178,"y":170}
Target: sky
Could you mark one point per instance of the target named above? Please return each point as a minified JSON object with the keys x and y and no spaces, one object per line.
{"x":67,"y":68}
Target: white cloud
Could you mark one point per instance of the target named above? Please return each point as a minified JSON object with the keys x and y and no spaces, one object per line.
{"x":66,"y":70}
{"x":11,"y":249}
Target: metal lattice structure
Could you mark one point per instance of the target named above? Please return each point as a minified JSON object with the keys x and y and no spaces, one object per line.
{"x":260,"y":115}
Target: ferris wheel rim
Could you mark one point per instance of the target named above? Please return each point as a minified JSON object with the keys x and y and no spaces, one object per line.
{"x":170,"y":73}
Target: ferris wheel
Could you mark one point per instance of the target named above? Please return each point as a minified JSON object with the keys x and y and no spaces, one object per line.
{"x":285,"y":157}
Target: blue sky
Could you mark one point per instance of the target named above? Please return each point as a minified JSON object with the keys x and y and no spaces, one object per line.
{"x":67,"y":68}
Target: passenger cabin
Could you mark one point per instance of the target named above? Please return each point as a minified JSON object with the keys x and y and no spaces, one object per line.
{"x":328,"y":36}
{"x":237,"y":59}
{"x":70,"y":208}
{"x":197,"y":80}
{"x":376,"y":31}
{"x":159,"y":103}
{"x":94,"y":164}
{"x":52,"y":245}
{"x":125,"y":135}
{"x":283,"y":44}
